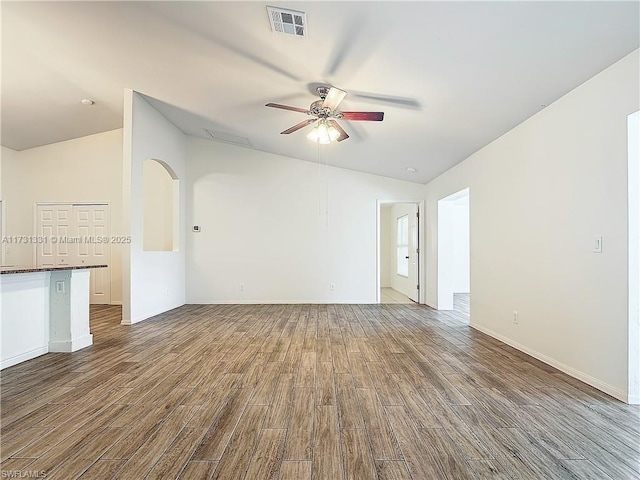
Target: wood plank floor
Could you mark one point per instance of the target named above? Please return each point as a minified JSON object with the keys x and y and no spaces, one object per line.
{"x":298,"y":392}
{"x":389,"y":295}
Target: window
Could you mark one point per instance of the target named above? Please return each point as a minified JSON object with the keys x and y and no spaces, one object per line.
{"x":402,"y":246}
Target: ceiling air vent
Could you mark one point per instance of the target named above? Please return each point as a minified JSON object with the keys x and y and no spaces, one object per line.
{"x":289,"y":22}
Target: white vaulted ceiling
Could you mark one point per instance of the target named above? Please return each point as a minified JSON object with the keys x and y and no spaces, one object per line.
{"x":450,"y":76}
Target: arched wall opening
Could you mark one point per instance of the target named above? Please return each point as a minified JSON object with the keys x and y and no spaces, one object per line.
{"x":160,"y":187}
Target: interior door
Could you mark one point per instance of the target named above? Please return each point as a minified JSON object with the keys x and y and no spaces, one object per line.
{"x":54,"y":226}
{"x":414,"y":255}
{"x":92,"y":225}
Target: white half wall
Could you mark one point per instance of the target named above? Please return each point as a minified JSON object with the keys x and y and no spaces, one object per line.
{"x":86,"y":169}
{"x":154,"y":282}
{"x":539,"y":195}
{"x":24,"y":317}
{"x":265,"y":234}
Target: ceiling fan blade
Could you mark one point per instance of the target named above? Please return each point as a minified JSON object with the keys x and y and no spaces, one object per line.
{"x":298,"y":126}
{"x":333,"y":99}
{"x":366,"y":116}
{"x":401,"y":102}
{"x":286,"y":107}
{"x":343,"y":134}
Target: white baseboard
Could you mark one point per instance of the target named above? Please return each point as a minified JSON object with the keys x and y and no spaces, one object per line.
{"x":141,"y":318}
{"x":69,"y":346}
{"x":588,"y":379}
{"x":24,"y":357}
{"x":283,"y":302}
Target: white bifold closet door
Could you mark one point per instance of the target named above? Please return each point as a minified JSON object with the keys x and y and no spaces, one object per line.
{"x":76,"y":234}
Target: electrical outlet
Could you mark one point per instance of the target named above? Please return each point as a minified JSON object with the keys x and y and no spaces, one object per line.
{"x":332,"y":286}
{"x":242,"y":287}
{"x":515,"y":317}
{"x":166,"y":292}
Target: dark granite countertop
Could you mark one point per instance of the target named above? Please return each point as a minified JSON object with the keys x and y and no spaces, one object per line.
{"x":24,"y":269}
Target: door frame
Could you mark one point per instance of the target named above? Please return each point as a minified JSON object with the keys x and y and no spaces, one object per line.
{"x":421,"y":244}
{"x":3,"y":229}
{"x":633,"y":258}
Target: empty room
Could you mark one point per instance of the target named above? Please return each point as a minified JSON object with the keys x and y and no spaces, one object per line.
{"x":320,"y":240}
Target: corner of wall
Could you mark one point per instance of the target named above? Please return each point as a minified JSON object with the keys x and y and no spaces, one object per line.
{"x":127,"y":133}
{"x":154,"y":282}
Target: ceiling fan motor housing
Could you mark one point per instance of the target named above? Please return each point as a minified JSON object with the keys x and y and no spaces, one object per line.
{"x":323,"y":91}
{"x":318,"y":110}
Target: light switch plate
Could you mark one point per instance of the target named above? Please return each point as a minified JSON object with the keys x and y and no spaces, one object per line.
{"x":597,"y":244}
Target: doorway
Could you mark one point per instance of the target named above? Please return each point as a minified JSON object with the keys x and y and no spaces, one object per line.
{"x":399,"y":253}
{"x":454,"y":273}
{"x":77,"y":234}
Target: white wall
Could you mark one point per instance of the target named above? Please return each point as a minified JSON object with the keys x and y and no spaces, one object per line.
{"x":461,"y":275}
{"x":264,"y":226}
{"x":154,"y":282}
{"x":8,"y":155}
{"x":445,"y":244}
{"x":87,"y":169}
{"x":387,"y":246}
{"x":539,"y":194}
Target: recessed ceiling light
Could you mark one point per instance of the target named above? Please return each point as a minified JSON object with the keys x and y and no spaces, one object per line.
{"x":87,"y":101}
{"x":411,"y":169}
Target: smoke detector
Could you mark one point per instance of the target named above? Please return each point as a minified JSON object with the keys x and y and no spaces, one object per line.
{"x":289,"y":22}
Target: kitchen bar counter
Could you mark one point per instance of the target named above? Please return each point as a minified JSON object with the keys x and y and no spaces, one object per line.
{"x":43,"y":310}
{"x":21,"y":269}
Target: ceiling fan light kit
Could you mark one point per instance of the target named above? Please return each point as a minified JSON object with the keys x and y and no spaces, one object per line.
{"x":325,"y":112}
{"x":323,"y":133}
